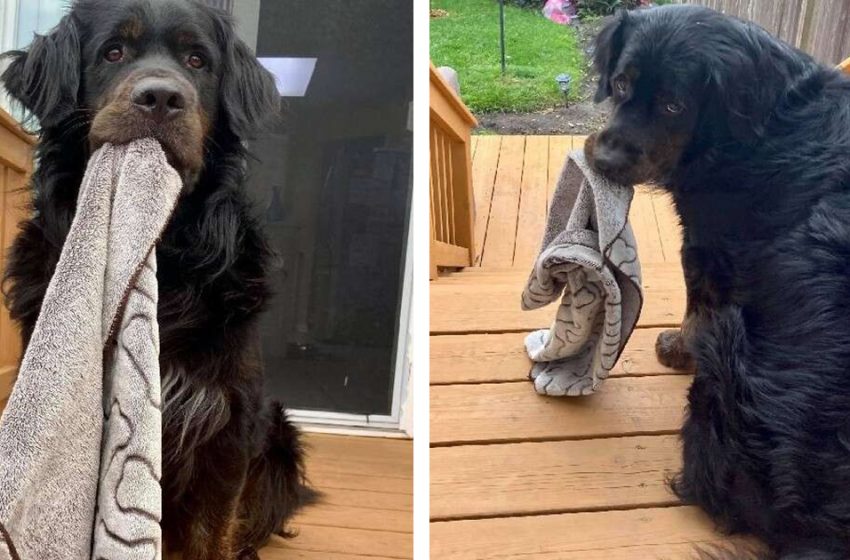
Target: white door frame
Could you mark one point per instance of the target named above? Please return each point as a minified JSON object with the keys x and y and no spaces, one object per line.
{"x":8,"y":41}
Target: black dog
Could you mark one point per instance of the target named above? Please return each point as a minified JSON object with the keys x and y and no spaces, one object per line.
{"x":751,"y":138}
{"x":113,"y":71}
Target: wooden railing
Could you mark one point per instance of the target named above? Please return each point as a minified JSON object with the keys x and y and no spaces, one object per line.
{"x":452,"y":207}
{"x":15,"y":166}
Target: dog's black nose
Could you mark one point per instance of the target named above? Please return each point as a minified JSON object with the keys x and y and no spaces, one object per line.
{"x":607,"y":160}
{"x":158,"y":97}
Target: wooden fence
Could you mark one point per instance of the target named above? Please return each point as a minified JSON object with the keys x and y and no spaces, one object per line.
{"x":818,"y":27}
{"x":452,"y":207}
{"x":15,"y":166}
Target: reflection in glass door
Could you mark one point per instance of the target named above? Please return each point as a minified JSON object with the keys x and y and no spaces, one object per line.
{"x":332,"y":182}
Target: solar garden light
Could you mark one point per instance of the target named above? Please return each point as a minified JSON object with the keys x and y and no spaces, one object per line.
{"x":564,"y":81}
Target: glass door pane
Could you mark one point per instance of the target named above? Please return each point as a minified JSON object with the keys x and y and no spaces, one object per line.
{"x":333,"y":185}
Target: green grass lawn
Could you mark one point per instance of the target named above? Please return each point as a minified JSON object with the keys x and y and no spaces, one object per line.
{"x":537,"y":49}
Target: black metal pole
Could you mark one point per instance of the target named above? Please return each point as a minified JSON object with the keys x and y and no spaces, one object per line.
{"x":502,"y":31}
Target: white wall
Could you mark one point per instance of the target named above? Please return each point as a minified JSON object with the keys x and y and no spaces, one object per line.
{"x":247,"y":15}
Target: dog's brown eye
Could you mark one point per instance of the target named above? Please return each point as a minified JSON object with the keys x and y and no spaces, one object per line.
{"x":114,"y":54}
{"x":673,"y":108}
{"x":196,"y":61}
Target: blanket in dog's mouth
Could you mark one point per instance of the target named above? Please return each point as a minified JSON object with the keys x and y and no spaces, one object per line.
{"x":589,"y":259}
{"x":80,"y":439}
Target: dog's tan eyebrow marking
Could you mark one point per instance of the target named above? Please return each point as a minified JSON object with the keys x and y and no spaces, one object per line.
{"x":186,"y":38}
{"x":132,"y":29}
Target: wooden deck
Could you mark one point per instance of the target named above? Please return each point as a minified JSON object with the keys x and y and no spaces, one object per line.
{"x":516,"y":475}
{"x":367,"y":509}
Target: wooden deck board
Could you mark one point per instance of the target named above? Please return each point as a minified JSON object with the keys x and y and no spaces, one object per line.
{"x":500,"y":237}
{"x":484,"y":165}
{"x":549,"y":477}
{"x":489,"y":302}
{"x":645,"y":227}
{"x":532,"y":201}
{"x":559,"y":146}
{"x":653,"y":533}
{"x":367,"y":506}
{"x":518,"y":476}
{"x":340,"y":543}
{"x":505,"y":412}
{"x":497,"y":358}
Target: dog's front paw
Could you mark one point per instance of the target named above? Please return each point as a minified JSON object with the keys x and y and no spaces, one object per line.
{"x":670,"y":350}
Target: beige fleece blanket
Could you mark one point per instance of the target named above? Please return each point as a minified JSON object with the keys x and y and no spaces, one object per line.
{"x":80,"y":439}
{"x":589,"y":260}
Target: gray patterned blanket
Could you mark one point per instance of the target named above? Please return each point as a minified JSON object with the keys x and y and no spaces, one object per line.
{"x":80,"y":439}
{"x":589,"y":260}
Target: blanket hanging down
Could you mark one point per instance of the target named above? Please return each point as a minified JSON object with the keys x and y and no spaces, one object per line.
{"x":81,"y":436}
{"x":588,"y":259}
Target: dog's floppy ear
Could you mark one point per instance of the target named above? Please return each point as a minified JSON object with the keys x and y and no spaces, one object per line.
{"x":45,"y":78}
{"x":609,"y":43}
{"x":249,"y":96}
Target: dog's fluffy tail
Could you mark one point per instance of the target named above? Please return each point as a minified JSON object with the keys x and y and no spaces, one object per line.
{"x":720,"y":352}
{"x":276,"y":486}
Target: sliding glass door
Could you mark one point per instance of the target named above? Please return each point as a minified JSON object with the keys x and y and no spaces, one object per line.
{"x":333,"y":185}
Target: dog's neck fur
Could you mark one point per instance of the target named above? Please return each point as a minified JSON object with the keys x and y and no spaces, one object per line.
{"x":733,"y":188}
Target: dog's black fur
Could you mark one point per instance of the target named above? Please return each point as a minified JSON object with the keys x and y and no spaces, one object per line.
{"x":232,"y":464}
{"x":751,"y":139}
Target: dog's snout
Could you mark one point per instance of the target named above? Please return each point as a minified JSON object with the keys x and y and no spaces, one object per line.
{"x":609,"y":159}
{"x":160,"y":98}
{"x":612,"y":154}
{"x":154,"y":102}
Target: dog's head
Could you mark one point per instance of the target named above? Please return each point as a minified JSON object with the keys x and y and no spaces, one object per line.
{"x":119,"y":70}
{"x":682,"y":80}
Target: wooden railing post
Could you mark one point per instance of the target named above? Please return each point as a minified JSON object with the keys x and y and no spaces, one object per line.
{"x":452,"y":205}
{"x":16,"y":148}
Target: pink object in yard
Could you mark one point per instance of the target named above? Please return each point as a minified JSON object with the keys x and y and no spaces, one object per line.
{"x":560,"y":11}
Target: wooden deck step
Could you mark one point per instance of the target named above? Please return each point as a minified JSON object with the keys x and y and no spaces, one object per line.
{"x":509,"y":412}
{"x":474,"y":481}
{"x":670,"y":533}
{"x":488,"y":301}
